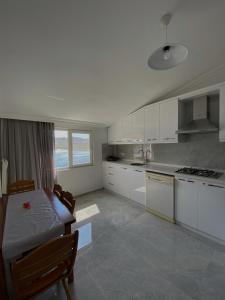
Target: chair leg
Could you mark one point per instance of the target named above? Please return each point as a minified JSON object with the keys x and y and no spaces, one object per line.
{"x":66,"y":288}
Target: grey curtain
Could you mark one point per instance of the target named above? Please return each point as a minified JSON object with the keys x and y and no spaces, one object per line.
{"x":29,"y":148}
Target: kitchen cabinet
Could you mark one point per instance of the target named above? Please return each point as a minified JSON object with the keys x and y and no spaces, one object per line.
{"x":125,"y":180}
{"x":138,"y":123}
{"x":186,"y":201}
{"x":211,"y":207}
{"x":222,"y":114}
{"x":137,"y":186}
{"x":129,"y":130}
{"x":152,"y":123}
{"x":110,"y":177}
{"x":168,"y":120}
{"x":115,"y":133}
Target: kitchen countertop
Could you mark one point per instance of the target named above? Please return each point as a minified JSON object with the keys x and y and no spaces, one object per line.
{"x":171,"y":170}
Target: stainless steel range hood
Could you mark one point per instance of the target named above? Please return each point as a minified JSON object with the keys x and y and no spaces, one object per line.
{"x":200,"y":122}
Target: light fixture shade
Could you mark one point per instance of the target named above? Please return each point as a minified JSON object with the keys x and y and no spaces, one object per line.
{"x":167,"y":56}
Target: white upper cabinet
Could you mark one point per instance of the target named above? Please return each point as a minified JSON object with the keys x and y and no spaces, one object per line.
{"x":222,"y":114}
{"x":168,"y":117}
{"x":127,"y":129}
{"x":138,"y":126}
{"x":152,"y":123}
{"x":115,"y":133}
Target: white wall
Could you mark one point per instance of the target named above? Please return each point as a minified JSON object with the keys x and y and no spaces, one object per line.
{"x":81,"y":180}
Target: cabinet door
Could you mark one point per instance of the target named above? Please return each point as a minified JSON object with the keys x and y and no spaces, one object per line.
{"x":138,"y":126}
{"x":110,"y":176}
{"x":127,"y":130}
{"x":115,"y":133}
{"x":186,"y":202}
{"x":111,"y":134}
{"x":168,"y":112}
{"x":222,"y":114}
{"x":152,"y":123}
{"x":212,"y":210}
{"x":138,"y":188}
{"x":124,"y":181}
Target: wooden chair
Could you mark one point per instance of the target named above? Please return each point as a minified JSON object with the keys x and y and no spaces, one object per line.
{"x":45,"y":266}
{"x":21,"y":186}
{"x":57,"y":190}
{"x":68,"y":200}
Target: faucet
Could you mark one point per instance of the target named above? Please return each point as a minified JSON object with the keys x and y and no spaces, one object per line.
{"x":143,"y":153}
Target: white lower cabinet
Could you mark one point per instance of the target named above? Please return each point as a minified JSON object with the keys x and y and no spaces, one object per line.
{"x":138,"y":187}
{"x":186,"y":204}
{"x":211,"y":208}
{"x":125,"y":181}
{"x":201,"y":206}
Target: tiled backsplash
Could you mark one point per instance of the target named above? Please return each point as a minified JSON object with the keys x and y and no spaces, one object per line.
{"x":199,"y":150}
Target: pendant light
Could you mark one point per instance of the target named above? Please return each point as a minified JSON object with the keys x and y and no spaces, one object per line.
{"x":169,"y":55}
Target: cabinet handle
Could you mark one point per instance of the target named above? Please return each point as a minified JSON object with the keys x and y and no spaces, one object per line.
{"x":110,"y":174}
{"x":218,"y":186}
{"x":149,"y":139}
{"x":190,"y":181}
{"x":154,"y":139}
{"x":180,"y":179}
{"x":138,"y":171}
{"x":111,"y":183}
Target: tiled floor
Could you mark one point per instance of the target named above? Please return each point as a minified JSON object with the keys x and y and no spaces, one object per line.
{"x":126,"y":253}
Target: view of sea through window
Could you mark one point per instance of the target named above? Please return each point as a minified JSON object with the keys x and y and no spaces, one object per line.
{"x":81,"y":149}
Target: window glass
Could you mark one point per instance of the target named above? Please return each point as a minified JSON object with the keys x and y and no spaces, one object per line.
{"x":61,"y":149}
{"x":81,"y":148}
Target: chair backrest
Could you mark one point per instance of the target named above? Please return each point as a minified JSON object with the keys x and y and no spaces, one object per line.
{"x":57,"y":190}
{"x":21,"y":186}
{"x":44,"y":266}
{"x":68,"y":200}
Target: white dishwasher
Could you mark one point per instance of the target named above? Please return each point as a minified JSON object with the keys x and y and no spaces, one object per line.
{"x":160,"y":195}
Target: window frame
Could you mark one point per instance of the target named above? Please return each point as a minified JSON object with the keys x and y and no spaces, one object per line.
{"x":70,"y":149}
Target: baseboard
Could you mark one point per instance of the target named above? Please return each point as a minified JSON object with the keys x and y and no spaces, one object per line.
{"x":92,"y":191}
{"x":201,"y":234}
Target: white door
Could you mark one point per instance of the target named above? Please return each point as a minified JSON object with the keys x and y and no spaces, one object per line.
{"x":186,"y":201}
{"x":212,"y":209}
{"x":138,"y":188}
{"x":168,"y":112}
{"x":152,"y":123}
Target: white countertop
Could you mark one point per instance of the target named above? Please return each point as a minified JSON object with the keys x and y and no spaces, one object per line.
{"x":171,"y":170}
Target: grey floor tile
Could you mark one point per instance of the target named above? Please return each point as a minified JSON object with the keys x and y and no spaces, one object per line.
{"x":126,"y":253}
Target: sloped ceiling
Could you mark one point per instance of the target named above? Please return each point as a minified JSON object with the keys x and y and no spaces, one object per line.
{"x":90,"y":56}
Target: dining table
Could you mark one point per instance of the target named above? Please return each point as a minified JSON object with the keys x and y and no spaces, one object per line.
{"x":28,"y":220}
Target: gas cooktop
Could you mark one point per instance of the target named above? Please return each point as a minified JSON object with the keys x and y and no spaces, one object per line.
{"x":200,"y":172}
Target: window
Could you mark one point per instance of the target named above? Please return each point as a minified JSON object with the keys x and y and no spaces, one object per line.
{"x":61,"y":149}
{"x":81,"y":145}
{"x":72,"y":148}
